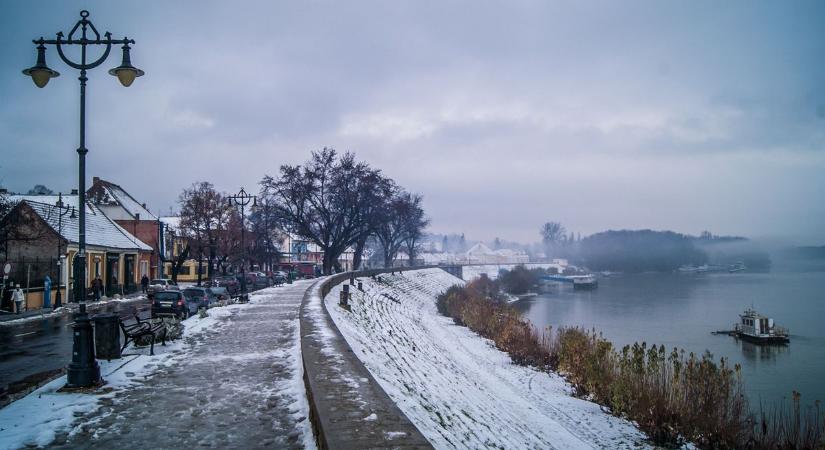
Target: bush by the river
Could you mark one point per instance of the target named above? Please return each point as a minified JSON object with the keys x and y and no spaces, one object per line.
{"x":673,"y":397}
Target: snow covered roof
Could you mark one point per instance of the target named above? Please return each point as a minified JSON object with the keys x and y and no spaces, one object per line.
{"x":100,"y":230}
{"x":106,"y":193}
{"x":480,"y":249}
{"x":171,"y":222}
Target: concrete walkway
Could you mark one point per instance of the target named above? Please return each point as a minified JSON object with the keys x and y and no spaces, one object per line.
{"x":238,"y":385}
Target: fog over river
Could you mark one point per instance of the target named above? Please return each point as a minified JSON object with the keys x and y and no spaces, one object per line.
{"x":680,"y":310}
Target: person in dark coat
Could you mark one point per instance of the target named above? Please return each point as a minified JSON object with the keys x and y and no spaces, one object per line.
{"x":144,"y":284}
{"x":97,"y":284}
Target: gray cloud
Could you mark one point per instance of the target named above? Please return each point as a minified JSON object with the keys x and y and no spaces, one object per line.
{"x":504,"y":115}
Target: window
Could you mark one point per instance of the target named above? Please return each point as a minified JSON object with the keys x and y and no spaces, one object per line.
{"x":144,"y":268}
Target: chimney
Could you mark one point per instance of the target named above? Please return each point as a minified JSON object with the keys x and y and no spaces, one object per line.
{"x":95,"y":180}
{"x":137,"y":216}
{"x":143,"y":205}
{"x":74,"y":192}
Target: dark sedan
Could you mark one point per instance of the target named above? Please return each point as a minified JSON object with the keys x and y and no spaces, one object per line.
{"x":200,"y":297}
{"x":169,"y":304}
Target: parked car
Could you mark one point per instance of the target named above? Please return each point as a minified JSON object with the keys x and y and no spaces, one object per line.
{"x":279,"y":277}
{"x":261,"y":280}
{"x":221,"y":293}
{"x":170,"y":304}
{"x":199,"y":297}
{"x":230,"y":283}
{"x":162,"y":284}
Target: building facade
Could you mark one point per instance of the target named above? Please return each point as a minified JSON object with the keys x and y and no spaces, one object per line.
{"x":40,"y":243}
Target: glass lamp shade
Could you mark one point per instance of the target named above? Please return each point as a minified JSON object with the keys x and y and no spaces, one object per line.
{"x":40,"y":72}
{"x":41,"y":75}
{"x":126,"y":76}
{"x":126,"y":72}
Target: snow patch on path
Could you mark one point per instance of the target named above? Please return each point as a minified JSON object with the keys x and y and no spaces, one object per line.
{"x":455,"y":386}
{"x":37,"y":419}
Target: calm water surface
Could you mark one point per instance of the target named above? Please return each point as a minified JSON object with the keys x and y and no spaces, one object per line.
{"x":682,"y":310}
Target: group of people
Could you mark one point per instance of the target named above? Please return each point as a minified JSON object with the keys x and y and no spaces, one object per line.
{"x":18,"y":297}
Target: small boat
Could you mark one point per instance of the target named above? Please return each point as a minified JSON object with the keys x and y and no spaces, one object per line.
{"x":738,"y":267}
{"x":584,"y":282}
{"x":761,"y":329}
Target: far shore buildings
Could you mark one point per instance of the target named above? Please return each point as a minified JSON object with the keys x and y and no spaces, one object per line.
{"x":477,"y":254}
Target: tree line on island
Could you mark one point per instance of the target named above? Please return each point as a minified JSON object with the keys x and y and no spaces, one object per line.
{"x":333,"y":201}
{"x":650,"y":251}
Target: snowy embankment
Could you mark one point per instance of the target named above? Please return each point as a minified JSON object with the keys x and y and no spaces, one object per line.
{"x":459,"y":390}
{"x":36,"y":419}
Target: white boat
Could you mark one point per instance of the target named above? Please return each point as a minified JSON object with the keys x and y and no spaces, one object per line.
{"x":757,"y":328}
{"x":584,"y":281}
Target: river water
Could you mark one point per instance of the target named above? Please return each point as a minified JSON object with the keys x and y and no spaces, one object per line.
{"x":680,"y":310}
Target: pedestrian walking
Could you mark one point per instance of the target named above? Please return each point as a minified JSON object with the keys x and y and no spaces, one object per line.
{"x":144,"y":284}
{"x":18,"y":297}
{"x":97,"y":284}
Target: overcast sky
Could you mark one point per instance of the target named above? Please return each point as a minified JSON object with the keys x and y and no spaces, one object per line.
{"x":666,"y":115}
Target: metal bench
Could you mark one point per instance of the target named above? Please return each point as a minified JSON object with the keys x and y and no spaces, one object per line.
{"x":140,"y":329}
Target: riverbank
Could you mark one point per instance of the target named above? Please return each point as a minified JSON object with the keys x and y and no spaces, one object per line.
{"x":456,"y":387}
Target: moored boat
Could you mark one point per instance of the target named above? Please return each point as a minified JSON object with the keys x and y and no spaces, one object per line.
{"x":757,"y":328}
{"x":584,"y":282}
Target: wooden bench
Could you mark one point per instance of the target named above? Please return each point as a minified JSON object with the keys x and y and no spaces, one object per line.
{"x":143,"y":328}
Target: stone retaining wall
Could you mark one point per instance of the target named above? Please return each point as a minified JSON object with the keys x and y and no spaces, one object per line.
{"x":348,"y":408}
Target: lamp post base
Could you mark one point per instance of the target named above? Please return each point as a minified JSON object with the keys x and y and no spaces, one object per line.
{"x":83,"y":371}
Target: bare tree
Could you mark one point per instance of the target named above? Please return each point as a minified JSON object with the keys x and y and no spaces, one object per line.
{"x":202,"y":214}
{"x":551,"y":234}
{"x":391,"y":228}
{"x":374,"y":205}
{"x":324,"y":200}
{"x":415,"y":222}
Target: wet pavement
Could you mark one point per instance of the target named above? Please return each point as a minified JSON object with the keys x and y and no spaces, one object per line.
{"x":42,"y":347}
{"x":236,"y":385}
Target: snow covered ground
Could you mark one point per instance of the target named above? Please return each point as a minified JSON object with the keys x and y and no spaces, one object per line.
{"x":235,"y":380}
{"x":455,"y":386}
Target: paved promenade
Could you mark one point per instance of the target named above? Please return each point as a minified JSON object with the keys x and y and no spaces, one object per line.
{"x":237,"y":385}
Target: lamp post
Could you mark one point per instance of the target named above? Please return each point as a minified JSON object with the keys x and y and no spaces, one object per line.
{"x":62,"y":211}
{"x":242,"y":199}
{"x":83,"y":371}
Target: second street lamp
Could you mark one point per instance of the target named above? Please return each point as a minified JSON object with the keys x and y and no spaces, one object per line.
{"x":243,"y":199}
{"x":62,"y":211}
{"x":83,"y":371}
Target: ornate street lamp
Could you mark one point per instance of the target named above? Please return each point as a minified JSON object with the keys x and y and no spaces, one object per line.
{"x":83,"y":371}
{"x":243,"y":199}
{"x":62,"y":211}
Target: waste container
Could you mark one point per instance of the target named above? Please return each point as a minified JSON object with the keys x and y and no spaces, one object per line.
{"x":107,"y":336}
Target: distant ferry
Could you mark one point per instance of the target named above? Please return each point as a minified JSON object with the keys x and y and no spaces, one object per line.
{"x":755,"y":327}
{"x":584,"y":282}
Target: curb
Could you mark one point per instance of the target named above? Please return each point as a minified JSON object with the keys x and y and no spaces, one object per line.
{"x":337,"y":409}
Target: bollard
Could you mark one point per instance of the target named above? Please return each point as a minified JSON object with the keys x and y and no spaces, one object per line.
{"x":351,"y":278}
{"x":107,"y":336}
{"x":342,"y":299}
{"x":360,"y":286}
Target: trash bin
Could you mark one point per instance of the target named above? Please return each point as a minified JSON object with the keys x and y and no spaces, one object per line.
{"x":107,"y":336}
